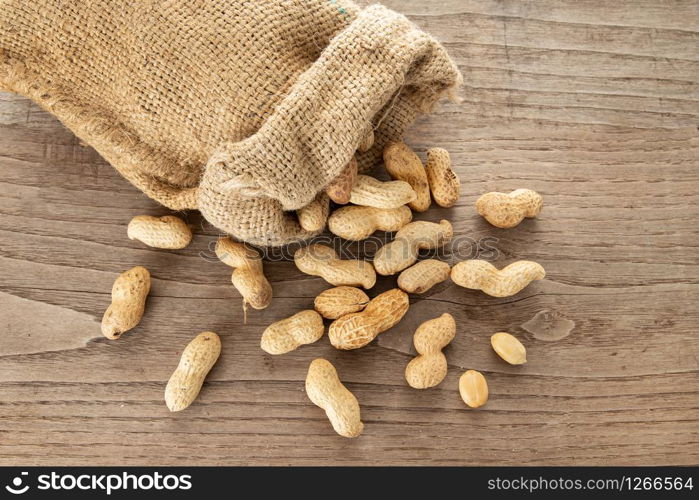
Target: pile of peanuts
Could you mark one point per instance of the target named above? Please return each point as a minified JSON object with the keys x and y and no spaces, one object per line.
{"x":356,"y":319}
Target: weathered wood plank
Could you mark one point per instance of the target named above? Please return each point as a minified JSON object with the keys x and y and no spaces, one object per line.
{"x":594,"y":104}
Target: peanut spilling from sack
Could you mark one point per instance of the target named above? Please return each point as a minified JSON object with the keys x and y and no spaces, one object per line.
{"x":286,"y":335}
{"x":312,"y":217}
{"x":357,"y":319}
{"x":129,"y":294}
{"x":403,"y":251}
{"x":370,"y":192}
{"x":321,"y":260}
{"x":358,"y":223}
{"x":196,"y":362}
{"x":340,"y":301}
{"x":340,"y":189}
{"x":248,"y":276}
{"x":430,"y":366}
{"x":444,"y":183}
{"x":508,"y":210}
{"x":482,"y":275}
{"x":167,"y":232}
{"x":356,"y":330}
{"x":325,"y":390}
{"x":423,"y":276}
{"x":509,"y":348}
{"x":473,"y":388}
{"x":404,"y":165}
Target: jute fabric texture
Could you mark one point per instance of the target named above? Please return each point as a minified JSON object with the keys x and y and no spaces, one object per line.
{"x":243,"y":109}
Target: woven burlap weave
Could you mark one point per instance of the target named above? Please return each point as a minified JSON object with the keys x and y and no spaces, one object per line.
{"x":244,"y":109}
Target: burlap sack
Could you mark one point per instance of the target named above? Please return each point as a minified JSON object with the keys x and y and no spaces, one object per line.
{"x":244,"y":109}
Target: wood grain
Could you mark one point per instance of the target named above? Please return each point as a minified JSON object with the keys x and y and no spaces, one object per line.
{"x":594,"y":104}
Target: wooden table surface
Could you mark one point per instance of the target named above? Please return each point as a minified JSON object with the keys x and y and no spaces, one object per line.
{"x":592,"y":103}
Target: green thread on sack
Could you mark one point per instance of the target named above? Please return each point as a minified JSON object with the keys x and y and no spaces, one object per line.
{"x":340,"y":9}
